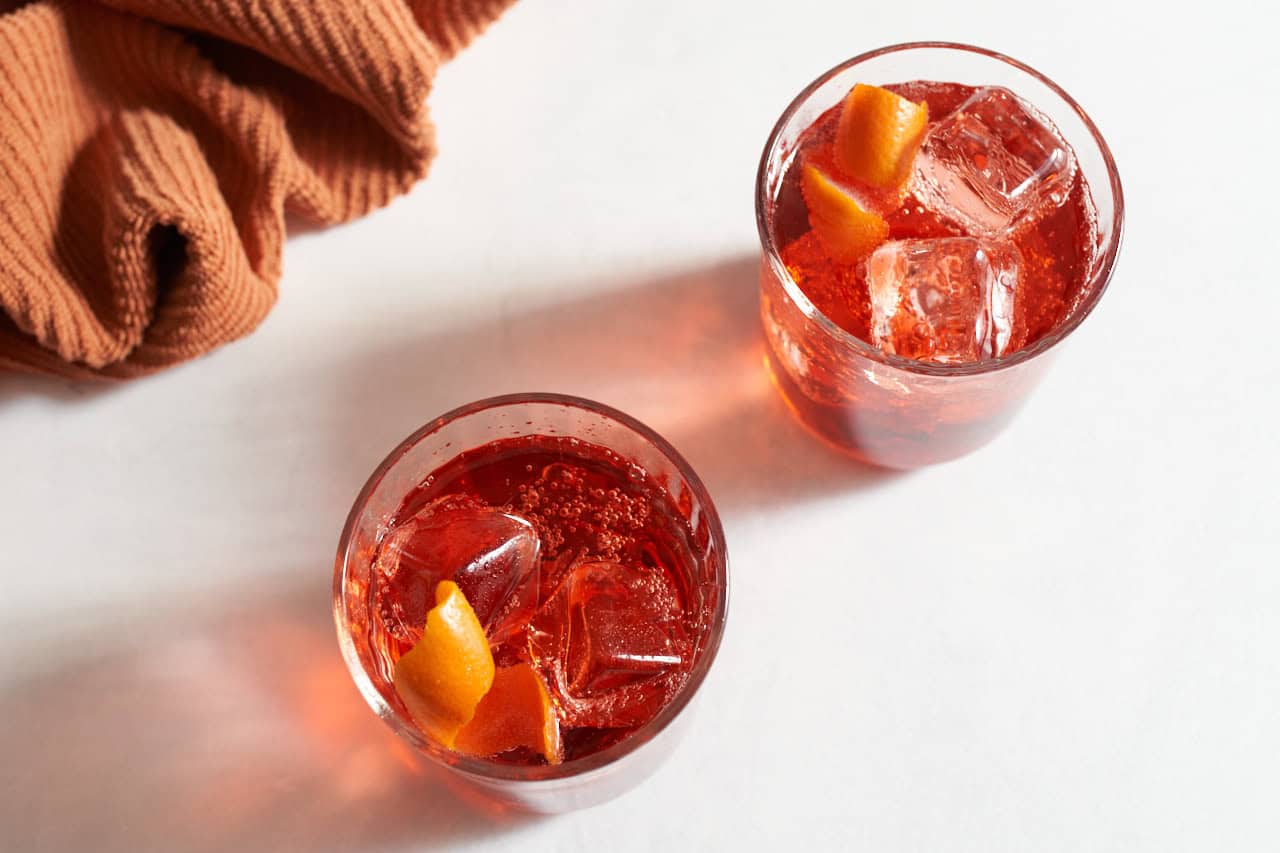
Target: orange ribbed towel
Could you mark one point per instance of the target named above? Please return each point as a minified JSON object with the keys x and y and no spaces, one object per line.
{"x":149,"y":150}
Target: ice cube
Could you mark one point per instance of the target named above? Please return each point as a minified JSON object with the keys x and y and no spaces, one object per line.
{"x":490,"y":554}
{"x":947,"y":300}
{"x":993,"y":163}
{"x":612,"y":644}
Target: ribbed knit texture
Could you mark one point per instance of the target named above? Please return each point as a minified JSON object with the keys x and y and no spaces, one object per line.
{"x":149,"y":150}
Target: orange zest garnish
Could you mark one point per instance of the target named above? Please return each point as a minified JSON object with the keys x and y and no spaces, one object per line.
{"x":444,"y":676}
{"x":517,"y":711}
{"x":878,"y":136}
{"x":848,"y":230}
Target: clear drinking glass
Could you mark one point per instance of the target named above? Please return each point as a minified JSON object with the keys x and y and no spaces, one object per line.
{"x":885,"y":409}
{"x":601,"y":775}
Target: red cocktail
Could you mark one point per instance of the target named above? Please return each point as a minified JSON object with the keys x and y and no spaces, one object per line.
{"x":924,"y":243}
{"x":589,"y":565}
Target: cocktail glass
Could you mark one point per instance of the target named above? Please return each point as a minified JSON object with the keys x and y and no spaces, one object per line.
{"x":600,"y":775}
{"x":884,"y":409}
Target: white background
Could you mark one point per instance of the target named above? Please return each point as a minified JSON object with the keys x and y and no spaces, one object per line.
{"x":1067,"y":641}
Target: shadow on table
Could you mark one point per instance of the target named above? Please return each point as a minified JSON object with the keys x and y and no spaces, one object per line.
{"x":17,"y":386}
{"x":229,"y":731}
{"x":682,"y":353}
{"x":240,"y":728}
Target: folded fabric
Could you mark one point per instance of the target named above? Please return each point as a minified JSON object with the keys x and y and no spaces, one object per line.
{"x":150,"y":149}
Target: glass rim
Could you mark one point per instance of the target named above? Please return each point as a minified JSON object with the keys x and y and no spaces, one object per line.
{"x":1098,"y":280}
{"x":486,"y":769}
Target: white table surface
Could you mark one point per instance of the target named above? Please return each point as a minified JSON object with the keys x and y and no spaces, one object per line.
{"x":1066,"y":641}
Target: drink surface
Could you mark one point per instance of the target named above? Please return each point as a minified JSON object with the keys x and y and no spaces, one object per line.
{"x":575,"y":561}
{"x":1057,"y":244}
